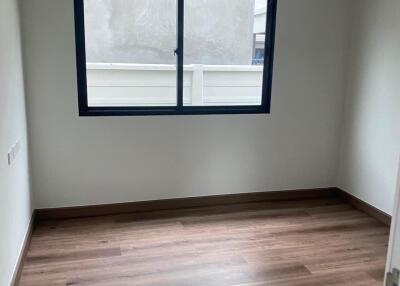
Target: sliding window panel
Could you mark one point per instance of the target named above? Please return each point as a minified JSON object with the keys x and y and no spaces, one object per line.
{"x":130,"y":59}
{"x":224,"y":48}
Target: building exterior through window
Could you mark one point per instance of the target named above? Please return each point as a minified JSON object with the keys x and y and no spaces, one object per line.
{"x":131,"y":61}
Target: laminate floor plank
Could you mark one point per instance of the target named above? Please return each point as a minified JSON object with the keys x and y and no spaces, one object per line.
{"x":284,"y":243}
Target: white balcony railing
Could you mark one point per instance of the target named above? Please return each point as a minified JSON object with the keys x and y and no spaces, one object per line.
{"x":155,"y":85}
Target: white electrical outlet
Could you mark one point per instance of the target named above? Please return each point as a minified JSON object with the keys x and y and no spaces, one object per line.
{"x":9,"y":157}
{"x":13,"y":152}
{"x":17,"y":146}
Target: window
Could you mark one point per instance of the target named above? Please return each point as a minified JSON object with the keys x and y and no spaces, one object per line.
{"x":160,"y":57}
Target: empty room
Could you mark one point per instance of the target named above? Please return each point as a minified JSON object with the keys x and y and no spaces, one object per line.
{"x":199,"y":142}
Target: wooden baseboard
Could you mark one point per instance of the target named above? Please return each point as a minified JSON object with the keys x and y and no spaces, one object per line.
{"x":181,"y":203}
{"x":365,"y":207}
{"x":206,"y":201}
{"x":24,"y":251}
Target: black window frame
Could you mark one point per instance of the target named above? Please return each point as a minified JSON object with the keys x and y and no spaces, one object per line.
{"x":179,"y":109}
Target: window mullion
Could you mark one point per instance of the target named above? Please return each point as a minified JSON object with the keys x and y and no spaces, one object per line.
{"x":179,"y":53}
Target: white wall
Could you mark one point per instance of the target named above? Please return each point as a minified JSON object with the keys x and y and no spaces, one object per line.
{"x":393,"y":259}
{"x":78,"y":161}
{"x":15,"y":199}
{"x":149,"y":85}
{"x":371,"y":136}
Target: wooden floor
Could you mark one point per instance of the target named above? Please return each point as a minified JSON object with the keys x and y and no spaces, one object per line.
{"x":311,"y":242}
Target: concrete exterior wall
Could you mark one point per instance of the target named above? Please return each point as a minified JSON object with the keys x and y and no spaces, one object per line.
{"x":144,"y":32}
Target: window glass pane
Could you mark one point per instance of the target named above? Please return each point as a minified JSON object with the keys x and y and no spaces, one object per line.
{"x":224,"y":52}
{"x":129,"y":52}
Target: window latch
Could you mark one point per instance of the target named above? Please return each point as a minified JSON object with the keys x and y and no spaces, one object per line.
{"x":176,"y":52}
